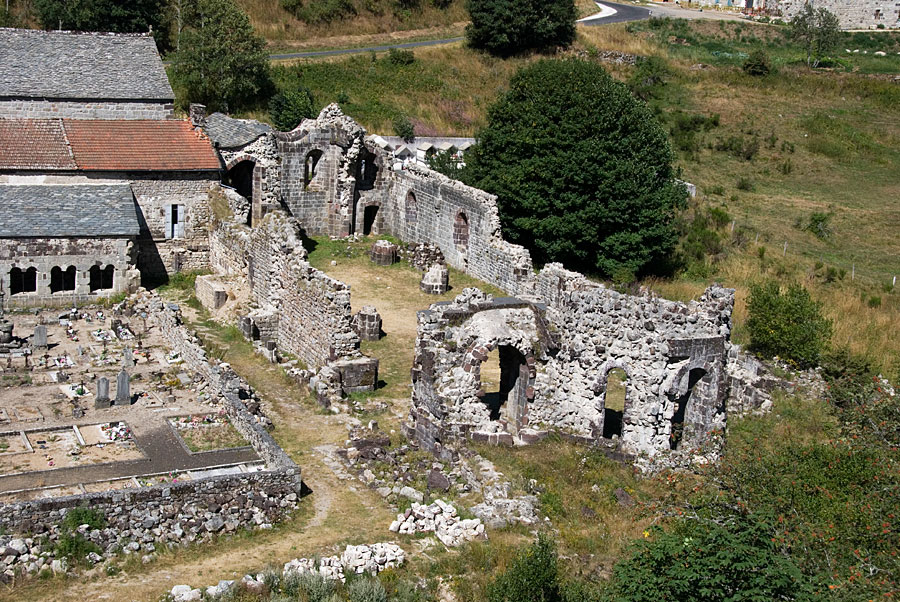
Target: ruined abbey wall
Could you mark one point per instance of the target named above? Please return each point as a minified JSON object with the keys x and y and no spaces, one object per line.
{"x":856,"y":14}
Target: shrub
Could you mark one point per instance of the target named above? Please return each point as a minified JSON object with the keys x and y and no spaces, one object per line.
{"x":82,"y":515}
{"x":74,"y":546}
{"x":506,"y":27}
{"x":708,"y":562}
{"x":311,"y":587}
{"x":818,"y":224}
{"x":366,"y":589}
{"x":788,"y":324}
{"x":738,"y":146}
{"x":786,"y":167}
{"x":287,"y":109}
{"x":744,"y":183}
{"x":320,"y":11}
{"x":649,"y":76}
{"x":532,"y":577}
{"x":401,"y":57}
{"x":757,"y":64}
{"x":404,"y":128}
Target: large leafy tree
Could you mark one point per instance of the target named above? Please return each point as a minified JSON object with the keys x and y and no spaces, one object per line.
{"x":582,"y":170}
{"x":121,"y":16}
{"x":817,"y":30}
{"x":220,"y":62}
{"x":505,"y":27}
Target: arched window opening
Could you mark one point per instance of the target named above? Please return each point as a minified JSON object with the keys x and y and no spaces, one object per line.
{"x":56,"y":279}
{"x":310,"y":166}
{"x":412,"y":210}
{"x":504,"y":382}
{"x":94,"y":278}
{"x":29,"y":280}
{"x":614,"y":403}
{"x":101,"y":278}
{"x":69,"y":278}
{"x":368,"y":172}
{"x":461,"y":231}
{"x":677,"y":433}
{"x":370,"y":217}
{"x":15,"y":281}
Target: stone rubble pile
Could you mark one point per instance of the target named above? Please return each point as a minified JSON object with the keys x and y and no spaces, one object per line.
{"x":441,"y":519}
{"x":365,"y":558}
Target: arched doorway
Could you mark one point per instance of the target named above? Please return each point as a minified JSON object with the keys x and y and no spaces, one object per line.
{"x":614,"y":403}
{"x":240,"y":177}
{"x":504,"y":379}
{"x":370,"y":220}
{"x":683,"y":407}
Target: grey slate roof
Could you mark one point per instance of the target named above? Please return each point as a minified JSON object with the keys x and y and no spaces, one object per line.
{"x":86,"y":66}
{"x":55,"y":211}
{"x":227,"y":132}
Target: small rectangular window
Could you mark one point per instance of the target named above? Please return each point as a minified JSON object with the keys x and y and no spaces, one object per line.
{"x":175,"y":217}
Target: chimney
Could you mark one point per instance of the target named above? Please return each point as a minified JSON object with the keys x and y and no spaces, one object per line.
{"x":197,"y":113}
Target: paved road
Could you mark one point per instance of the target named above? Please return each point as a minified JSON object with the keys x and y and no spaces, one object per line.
{"x":623,"y":13}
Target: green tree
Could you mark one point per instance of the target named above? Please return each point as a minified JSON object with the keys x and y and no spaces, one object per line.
{"x":404,"y":128}
{"x":221,"y":62}
{"x":817,"y":30}
{"x":120,"y":16}
{"x":506,"y":27}
{"x":582,"y":170}
{"x":287,"y":109}
{"x":788,"y":324}
{"x":757,"y":63}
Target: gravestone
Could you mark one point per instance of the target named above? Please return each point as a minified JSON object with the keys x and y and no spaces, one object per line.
{"x":128,"y":358}
{"x":40,"y":337}
{"x":123,"y":389}
{"x":102,"y":399}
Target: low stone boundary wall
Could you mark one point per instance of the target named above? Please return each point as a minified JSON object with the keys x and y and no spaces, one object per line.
{"x":169,"y":513}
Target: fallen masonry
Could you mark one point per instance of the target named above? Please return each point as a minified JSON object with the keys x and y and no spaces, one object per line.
{"x":365,"y":558}
{"x":440,"y":518}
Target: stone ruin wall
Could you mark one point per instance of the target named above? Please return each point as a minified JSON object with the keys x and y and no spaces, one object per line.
{"x":46,"y":253}
{"x":178,"y":513}
{"x":564,"y":356}
{"x":266,"y":178}
{"x":856,"y":14}
{"x":302,"y":310}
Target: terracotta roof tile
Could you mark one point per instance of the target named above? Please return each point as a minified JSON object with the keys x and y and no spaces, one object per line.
{"x":163,"y":145}
{"x":34,"y":144}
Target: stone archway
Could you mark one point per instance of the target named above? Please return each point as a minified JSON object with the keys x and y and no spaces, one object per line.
{"x":507,"y":394}
{"x":612,"y":420}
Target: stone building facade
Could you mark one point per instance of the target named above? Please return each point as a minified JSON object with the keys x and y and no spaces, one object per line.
{"x":855,"y":14}
{"x":53,"y":74}
{"x":50,"y":253}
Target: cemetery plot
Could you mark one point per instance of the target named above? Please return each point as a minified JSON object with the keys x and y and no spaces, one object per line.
{"x":61,"y":448}
{"x":207,"y":432}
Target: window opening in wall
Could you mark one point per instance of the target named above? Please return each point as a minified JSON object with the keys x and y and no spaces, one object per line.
{"x":412,"y":210}
{"x":681,"y":406}
{"x":56,"y":279}
{"x":101,"y":278}
{"x":461,"y":231}
{"x":175,"y":218}
{"x":370,"y":215}
{"x":69,"y":278}
{"x":368,"y":172}
{"x":504,"y":380}
{"x":309,"y":169}
{"x":614,"y":403}
{"x":22,"y":281}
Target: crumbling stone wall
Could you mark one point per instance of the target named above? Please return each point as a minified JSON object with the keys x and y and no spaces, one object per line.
{"x":266,"y":178}
{"x":328,"y":175}
{"x":673,"y":354}
{"x":44,"y":254}
{"x":857,"y":14}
